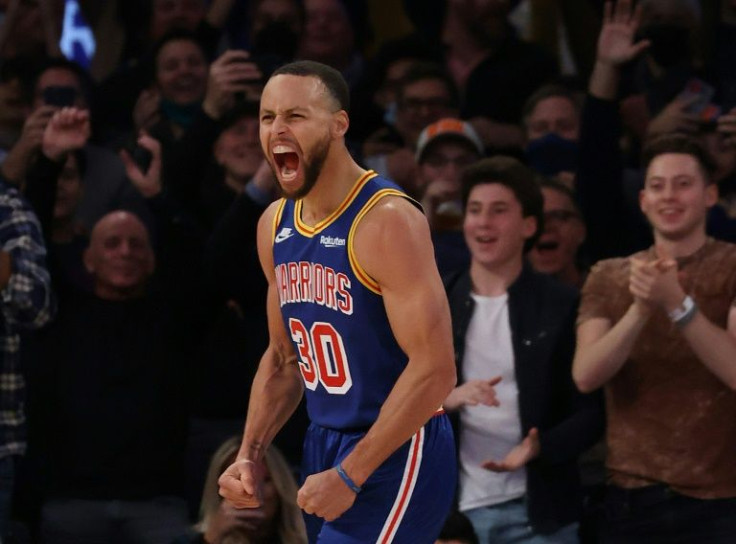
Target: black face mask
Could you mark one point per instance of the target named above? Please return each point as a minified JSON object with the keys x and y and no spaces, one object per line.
{"x":670,"y":44}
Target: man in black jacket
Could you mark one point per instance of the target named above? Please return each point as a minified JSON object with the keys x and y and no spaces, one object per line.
{"x":520,"y":422}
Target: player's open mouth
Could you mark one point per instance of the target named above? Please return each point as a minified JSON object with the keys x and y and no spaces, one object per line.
{"x":287,"y":161}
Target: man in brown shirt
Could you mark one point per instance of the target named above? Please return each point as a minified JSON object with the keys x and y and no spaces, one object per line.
{"x":658,"y":330}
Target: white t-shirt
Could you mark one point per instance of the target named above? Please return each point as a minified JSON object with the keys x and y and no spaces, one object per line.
{"x":489,"y":432}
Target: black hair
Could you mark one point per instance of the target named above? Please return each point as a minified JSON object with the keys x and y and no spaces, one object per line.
{"x":330,"y":78}
{"x":173,"y":35}
{"x":518,"y":178}
{"x":681,"y":144}
{"x":421,"y":71}
{"x":547,"y":183}
{"x":242,"y":109}
{"x":458,"y":527}
{"x":548,"y":91}
{"x":86,"y":83}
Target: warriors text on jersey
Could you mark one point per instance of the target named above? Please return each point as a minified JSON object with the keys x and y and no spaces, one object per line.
{"x":334,"y":311}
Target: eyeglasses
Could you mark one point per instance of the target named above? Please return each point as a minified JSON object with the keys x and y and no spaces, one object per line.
{"x":558,"y":217}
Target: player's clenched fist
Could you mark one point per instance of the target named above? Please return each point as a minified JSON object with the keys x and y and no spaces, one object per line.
{"x":241,"y":484}
{"x":325,"y":495}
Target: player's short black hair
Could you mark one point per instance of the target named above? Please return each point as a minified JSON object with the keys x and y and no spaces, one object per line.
{"x":681,"y":144}
{"x":518,"y":178}
{"x":333,"y":81}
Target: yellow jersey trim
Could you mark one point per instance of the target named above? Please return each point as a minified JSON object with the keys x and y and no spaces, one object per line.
{"x":277,"y":218}
{"x":306,"y":230}
{"x":360,"y":273}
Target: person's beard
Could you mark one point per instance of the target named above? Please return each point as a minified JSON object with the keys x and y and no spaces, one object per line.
{"x":312,"y":168}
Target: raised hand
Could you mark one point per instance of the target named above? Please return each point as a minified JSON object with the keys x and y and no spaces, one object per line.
{"x":68,"y":130}
{"x":147,"y":111}
{"x":727,"y":127}
{"x":616,"y":41}
{"x":675,"y":118}
{"x":473,"y":393}
{"x":519,"y":456}
{"x":34,"y":127}
{"x":148,"y":183}
{"x":241,"y":484}
{"x":232,"y":72}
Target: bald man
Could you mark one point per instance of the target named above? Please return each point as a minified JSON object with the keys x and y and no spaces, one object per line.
{"x":111,"y":396}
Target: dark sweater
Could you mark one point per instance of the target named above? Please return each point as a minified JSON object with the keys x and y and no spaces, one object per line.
{"x":108,"y":397}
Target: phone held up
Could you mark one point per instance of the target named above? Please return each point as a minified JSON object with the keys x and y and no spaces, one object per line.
{"x":60,"y":96}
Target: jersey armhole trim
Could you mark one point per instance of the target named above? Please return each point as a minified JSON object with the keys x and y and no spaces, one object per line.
{"x":277,"y":219}
{"x":360,"y":273}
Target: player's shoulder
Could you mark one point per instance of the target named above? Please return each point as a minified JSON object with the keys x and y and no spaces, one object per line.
{"x":394,"y":212}
{"x":388,"y":199}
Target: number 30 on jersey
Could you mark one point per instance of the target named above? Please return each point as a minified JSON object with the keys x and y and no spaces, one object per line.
{"x":322,"y":356}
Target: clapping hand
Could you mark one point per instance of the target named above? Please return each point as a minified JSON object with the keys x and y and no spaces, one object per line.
{"x":473,"y":393}
{"x":519,"y":456}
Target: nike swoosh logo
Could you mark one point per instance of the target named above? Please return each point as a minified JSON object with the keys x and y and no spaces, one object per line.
{"x":283,"y":235}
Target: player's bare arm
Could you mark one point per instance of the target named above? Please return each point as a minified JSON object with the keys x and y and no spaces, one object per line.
{"x":276,"y":391}
{"x":393,"y":245}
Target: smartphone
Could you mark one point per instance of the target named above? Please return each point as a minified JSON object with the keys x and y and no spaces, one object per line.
{"x":60,"y":96}
{"x":701,"y":94}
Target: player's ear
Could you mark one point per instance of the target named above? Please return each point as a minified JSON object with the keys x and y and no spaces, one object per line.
{"x":340,"y":123}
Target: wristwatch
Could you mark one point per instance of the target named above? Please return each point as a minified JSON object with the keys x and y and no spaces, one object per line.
{"x":682,"y":315}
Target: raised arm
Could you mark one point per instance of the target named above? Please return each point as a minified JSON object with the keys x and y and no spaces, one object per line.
{"x":276,"y":391}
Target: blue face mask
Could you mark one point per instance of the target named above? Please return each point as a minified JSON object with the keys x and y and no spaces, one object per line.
{"x":181,"y":114}
{"x":552,"y":154}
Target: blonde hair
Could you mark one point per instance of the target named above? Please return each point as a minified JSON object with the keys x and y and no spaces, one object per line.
{"x":290,"y":524}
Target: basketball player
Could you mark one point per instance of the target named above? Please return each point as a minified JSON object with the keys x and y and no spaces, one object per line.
{"x":358,"y":317}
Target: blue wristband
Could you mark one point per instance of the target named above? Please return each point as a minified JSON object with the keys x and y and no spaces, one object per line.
{"x":348,"y":482}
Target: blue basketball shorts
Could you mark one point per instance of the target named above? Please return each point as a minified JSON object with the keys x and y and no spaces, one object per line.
{"x":406,"y":500}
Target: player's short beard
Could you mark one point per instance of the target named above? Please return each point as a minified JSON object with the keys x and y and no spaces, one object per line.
{"x":312,"y":168}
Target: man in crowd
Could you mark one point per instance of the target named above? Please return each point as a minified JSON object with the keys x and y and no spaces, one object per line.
{"x":520,"y":423}
{"x":658,"y":331}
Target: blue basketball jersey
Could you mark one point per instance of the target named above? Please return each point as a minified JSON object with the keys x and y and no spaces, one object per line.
{"x":334,"y":311}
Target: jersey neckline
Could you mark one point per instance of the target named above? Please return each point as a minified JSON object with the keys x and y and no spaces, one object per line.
{"x":309,"y":231}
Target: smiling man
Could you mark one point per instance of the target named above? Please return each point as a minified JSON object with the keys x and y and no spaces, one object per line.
{"x":658,"y":330}
{"x":520,"y":423}
{"x":357,"y":317}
